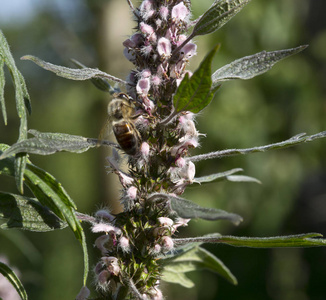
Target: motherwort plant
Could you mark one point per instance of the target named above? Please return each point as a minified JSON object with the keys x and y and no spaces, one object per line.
{"x":152,"y":115}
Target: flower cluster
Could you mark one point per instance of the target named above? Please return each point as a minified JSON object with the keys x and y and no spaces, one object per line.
{"x":133,"y":239}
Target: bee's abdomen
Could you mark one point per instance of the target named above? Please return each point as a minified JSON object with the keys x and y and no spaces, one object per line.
{"x":126,"y":137}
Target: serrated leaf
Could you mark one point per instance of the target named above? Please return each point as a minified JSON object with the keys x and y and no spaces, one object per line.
{"x":28,"y":214}
{"x":253,"y":65}
{"x":48,"y":143}
{"x":190,"y":210}
{"x":194,"y":93}
{"x":69,"y":73}
{"x":290,"y":241}
{"x":14,"y":280}
{"x":197,"y":259}
{"x":217,"y":15}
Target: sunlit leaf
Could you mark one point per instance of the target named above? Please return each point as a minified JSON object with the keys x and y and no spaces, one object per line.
{"x":217,"y":15}
{"x":194,"y":93}
{"x":14,"y":280}
{"x":28,"y":214}
{"x":290,"y":241}
{"x":69,"y":73}
{"x":253,"y":65}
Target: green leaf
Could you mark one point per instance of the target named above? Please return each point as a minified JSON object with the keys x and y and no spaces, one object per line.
{"x":194,"y":93}
{"x":253,"y":65}
{"x":290,"y":241}
{"x":69,"y":73}
{"x":217,"y":15}
{"x":22,"y":102}
{"x":48,"y":143}
{"x":195,"y":259}
{"x":14,"y":280}
{"x":48,"y":191}
{"x":27,"y":214}
{"x":190,"y":210}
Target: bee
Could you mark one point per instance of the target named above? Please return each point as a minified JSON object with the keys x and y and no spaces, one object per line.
{"x":122,"y":113}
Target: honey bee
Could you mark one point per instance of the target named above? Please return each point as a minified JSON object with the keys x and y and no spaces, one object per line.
{"x":122,"y":113}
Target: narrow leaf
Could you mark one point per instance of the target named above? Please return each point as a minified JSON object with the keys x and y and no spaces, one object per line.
{"x":22,"y":101}
{"x":101,"y":83}
{"x":217,"y":15}
{"x":190,"y":210}
{"x":242,"y":178}
{"x":198,"y":259}
{"x":2,"y":90}
{"x":253,"y":65}
{"x":28,"y":214}
{"x":295,"y":140}
{"x":69,"y":73}
{"x":216,"y":176}
{"x":194,"y":93}
{"x":49,"y":143}
{"x":290,"y":241}
{"x":14,"y":280}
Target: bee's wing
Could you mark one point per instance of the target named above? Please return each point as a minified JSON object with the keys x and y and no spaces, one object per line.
{"x":105,"y":132}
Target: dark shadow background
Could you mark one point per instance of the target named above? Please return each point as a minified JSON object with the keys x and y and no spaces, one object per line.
{"x":288,"y":100}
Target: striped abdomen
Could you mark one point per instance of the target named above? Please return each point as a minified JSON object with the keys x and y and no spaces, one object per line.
{"x":126,"y":136}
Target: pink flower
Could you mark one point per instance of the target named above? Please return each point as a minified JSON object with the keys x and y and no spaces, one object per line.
{"x":100,"y":243}
{"x":146,"y":29}
{"x":164,"y":12}
{"x":167,"y":243}
{"x":189,"y":50}
{"x":143,"y":86}
{"x":164,"y":47}
{"x":132,"y":192}
{"x":179,"y":12}
{"x":146,"y":9}
{"x":164,"y":221}
{"x":124,"y":244}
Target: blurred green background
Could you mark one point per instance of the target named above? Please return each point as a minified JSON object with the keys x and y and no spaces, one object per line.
{"x":289,"y":99}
